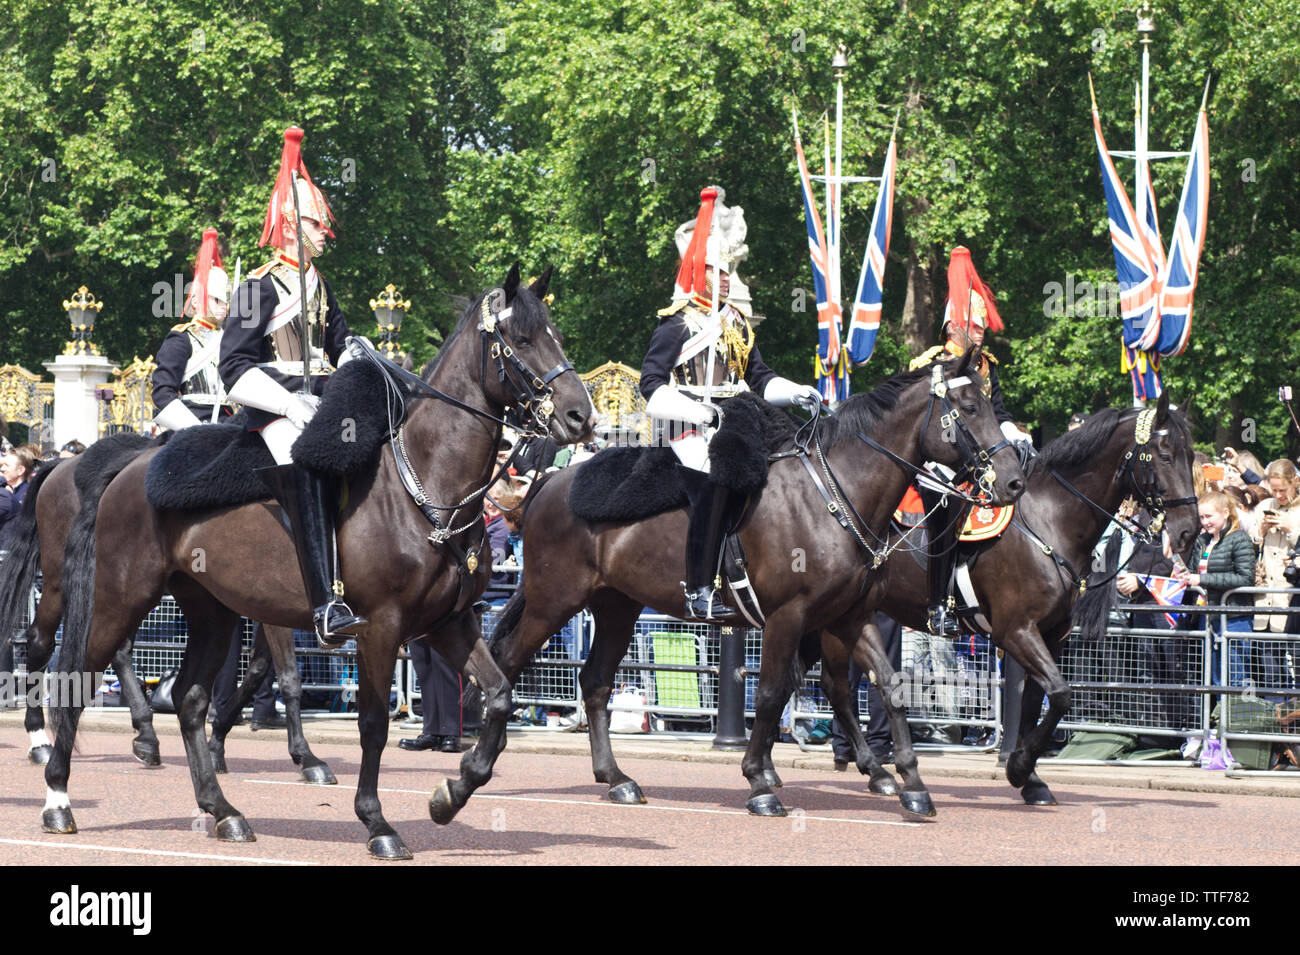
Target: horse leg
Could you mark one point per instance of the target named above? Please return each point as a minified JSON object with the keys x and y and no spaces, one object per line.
{"x":776,"y":681}
{"x":835,"y":684}
{"x":615,"y":618}
{"x":225,"y":718}
{"x":40,"y":646}
{"x":211,"y":628}
{"x":1029,"y":649}
{"x":376,"y":660}
{"x":145,"y":745}
{"x":279,"y":640}
{"x":460,"y":644}
{"x":871,"y":656}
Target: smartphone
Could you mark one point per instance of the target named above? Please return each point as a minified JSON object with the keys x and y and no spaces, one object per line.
{"x":1212,"y":472}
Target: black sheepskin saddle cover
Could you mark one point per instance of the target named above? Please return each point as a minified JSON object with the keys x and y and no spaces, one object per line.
{"x":212,"y":465}
{"x":632,"y":484}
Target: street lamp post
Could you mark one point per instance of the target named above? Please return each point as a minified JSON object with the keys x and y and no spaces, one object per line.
{"x":390,"y":308}
{"x":82,"y":311}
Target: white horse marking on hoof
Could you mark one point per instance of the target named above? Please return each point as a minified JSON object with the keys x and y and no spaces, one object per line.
{"x":38,"y":738}
{"x":56,"y":800}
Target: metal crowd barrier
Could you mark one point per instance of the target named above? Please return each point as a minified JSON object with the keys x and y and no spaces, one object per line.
{"x":1133,"y":680}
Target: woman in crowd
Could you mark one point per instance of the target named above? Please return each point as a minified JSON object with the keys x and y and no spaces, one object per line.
{"x":1226,"y":560}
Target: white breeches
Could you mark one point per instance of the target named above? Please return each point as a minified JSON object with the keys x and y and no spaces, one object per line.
{"x":692,"y":449}
{"x":279,"y":436}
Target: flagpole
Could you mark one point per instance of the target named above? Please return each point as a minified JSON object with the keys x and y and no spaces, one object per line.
{"x":839,"y":64}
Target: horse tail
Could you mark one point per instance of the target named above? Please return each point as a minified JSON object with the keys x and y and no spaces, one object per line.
{"x":802,"y":660}
{"x":93,"y":477}
{"x":18,"y":569}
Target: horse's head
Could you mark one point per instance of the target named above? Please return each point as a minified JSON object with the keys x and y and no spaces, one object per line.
{"x":1159,"y":468}
{"x":962,"y":429}
{"x":524,"y":364}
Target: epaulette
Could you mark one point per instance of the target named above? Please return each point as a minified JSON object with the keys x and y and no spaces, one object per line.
{"x":673,"y":309}
{"x":182,"y":327}
{"x":926,"y":358}
{"x":991,"y":357}
{"x":261,"y":270}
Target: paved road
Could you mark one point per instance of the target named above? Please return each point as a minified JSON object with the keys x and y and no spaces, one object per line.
{"x":545,"y":809}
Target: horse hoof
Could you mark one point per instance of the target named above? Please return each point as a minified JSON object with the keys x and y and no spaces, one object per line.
{"x":765,"y":805}
{"x":149,"y":755}
{"x":389,"y":847}
{"x":319,"y":775}
{"x":58,"y":821}
{"x":1018,"y":771}
{"x":1036,"y":793}
{"x":40,"y":755}
{"x":884,"y":784}
{"x":626,"y":793}
{"x":442,"y":808}
{"x":918,"y":804}
{"x":235,"y":829}
{"x":772,"y":779}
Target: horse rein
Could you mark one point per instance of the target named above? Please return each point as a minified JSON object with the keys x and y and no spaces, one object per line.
{"x":1147,"y":493}
{"x":976,"y":460}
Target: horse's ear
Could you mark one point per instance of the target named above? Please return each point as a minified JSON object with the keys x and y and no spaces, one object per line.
{"x":1162,"y":408}
{"x":512,"y":283}
{"x":542,"y":285}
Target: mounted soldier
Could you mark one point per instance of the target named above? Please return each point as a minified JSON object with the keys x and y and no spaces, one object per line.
{"x":970,"y":312}
{"x":701,"y":353}
{"x":270,"y":365}
{"x":187,"y":389}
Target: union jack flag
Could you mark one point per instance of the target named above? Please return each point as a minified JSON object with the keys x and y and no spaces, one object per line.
{"x":832,"y":386}
{"x":865,"y":322}
{"x":1178,"y":274}
{"x":1167,"y":592}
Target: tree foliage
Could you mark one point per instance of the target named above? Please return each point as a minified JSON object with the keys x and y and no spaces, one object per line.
{"x":456,"y":137}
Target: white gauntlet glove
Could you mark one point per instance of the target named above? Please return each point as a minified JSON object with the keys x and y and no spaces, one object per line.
{"x":301,"y":409}
{"x":1014,"y":434}
{"x":669,"y":404}
{"x":257,"y":389}
{"x":356,"y":344}
{"x":176,"y":416}
{"x":783,"y":393}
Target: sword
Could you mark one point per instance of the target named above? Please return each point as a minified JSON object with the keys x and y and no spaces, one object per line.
{"x":304,"y":328}
{"x":221,"y":388}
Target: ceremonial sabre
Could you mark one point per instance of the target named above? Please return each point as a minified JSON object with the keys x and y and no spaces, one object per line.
{"x":221,"y":388}
{"x":305,"y":327}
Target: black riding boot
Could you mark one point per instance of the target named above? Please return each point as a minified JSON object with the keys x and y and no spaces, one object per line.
{"x":943,"y":538}
{"x":304,"y":495}
{"x":703,"y":542}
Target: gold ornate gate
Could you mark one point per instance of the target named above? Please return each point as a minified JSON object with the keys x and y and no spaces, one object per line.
{"x":127,"y":400}
{"x":26,"y":400}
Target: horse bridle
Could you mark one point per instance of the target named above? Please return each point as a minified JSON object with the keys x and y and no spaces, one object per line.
{"x":532,"y":394}
{"x":1147,"y":492}
{"x":977,"y":461}
{"x":1146,"y":487}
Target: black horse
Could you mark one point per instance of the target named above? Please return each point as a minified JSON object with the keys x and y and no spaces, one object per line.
{"x":808,"y":573}
{"x":1027,"y":579}
{"x":405,"y":573}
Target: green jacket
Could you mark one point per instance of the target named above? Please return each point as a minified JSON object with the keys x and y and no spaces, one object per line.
{"x":1231,"y":564}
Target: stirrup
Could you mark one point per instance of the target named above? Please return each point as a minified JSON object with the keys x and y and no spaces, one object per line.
{"x":706,"y":604}
{"x":942,"y":622}
{"x":335,"y":624}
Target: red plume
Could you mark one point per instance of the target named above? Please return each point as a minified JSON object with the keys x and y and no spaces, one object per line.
{"x":690,"y":276}
{"x":962,"y":277}
{"x":281,"y":205}
{"x":209,"y":255}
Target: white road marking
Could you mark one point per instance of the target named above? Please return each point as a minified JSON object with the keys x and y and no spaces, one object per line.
{"x":149,"y":852}
{"x":607,"y":804}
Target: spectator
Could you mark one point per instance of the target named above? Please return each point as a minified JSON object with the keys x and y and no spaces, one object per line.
{"x":1277,"y":522}
{"x":1246,"y":464}
{"x":1227,"y":561}
{"x":498,"y":533}
{"x":16,"y":469}
{"x":71,"y":449}
{"x":1076,"y":421}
